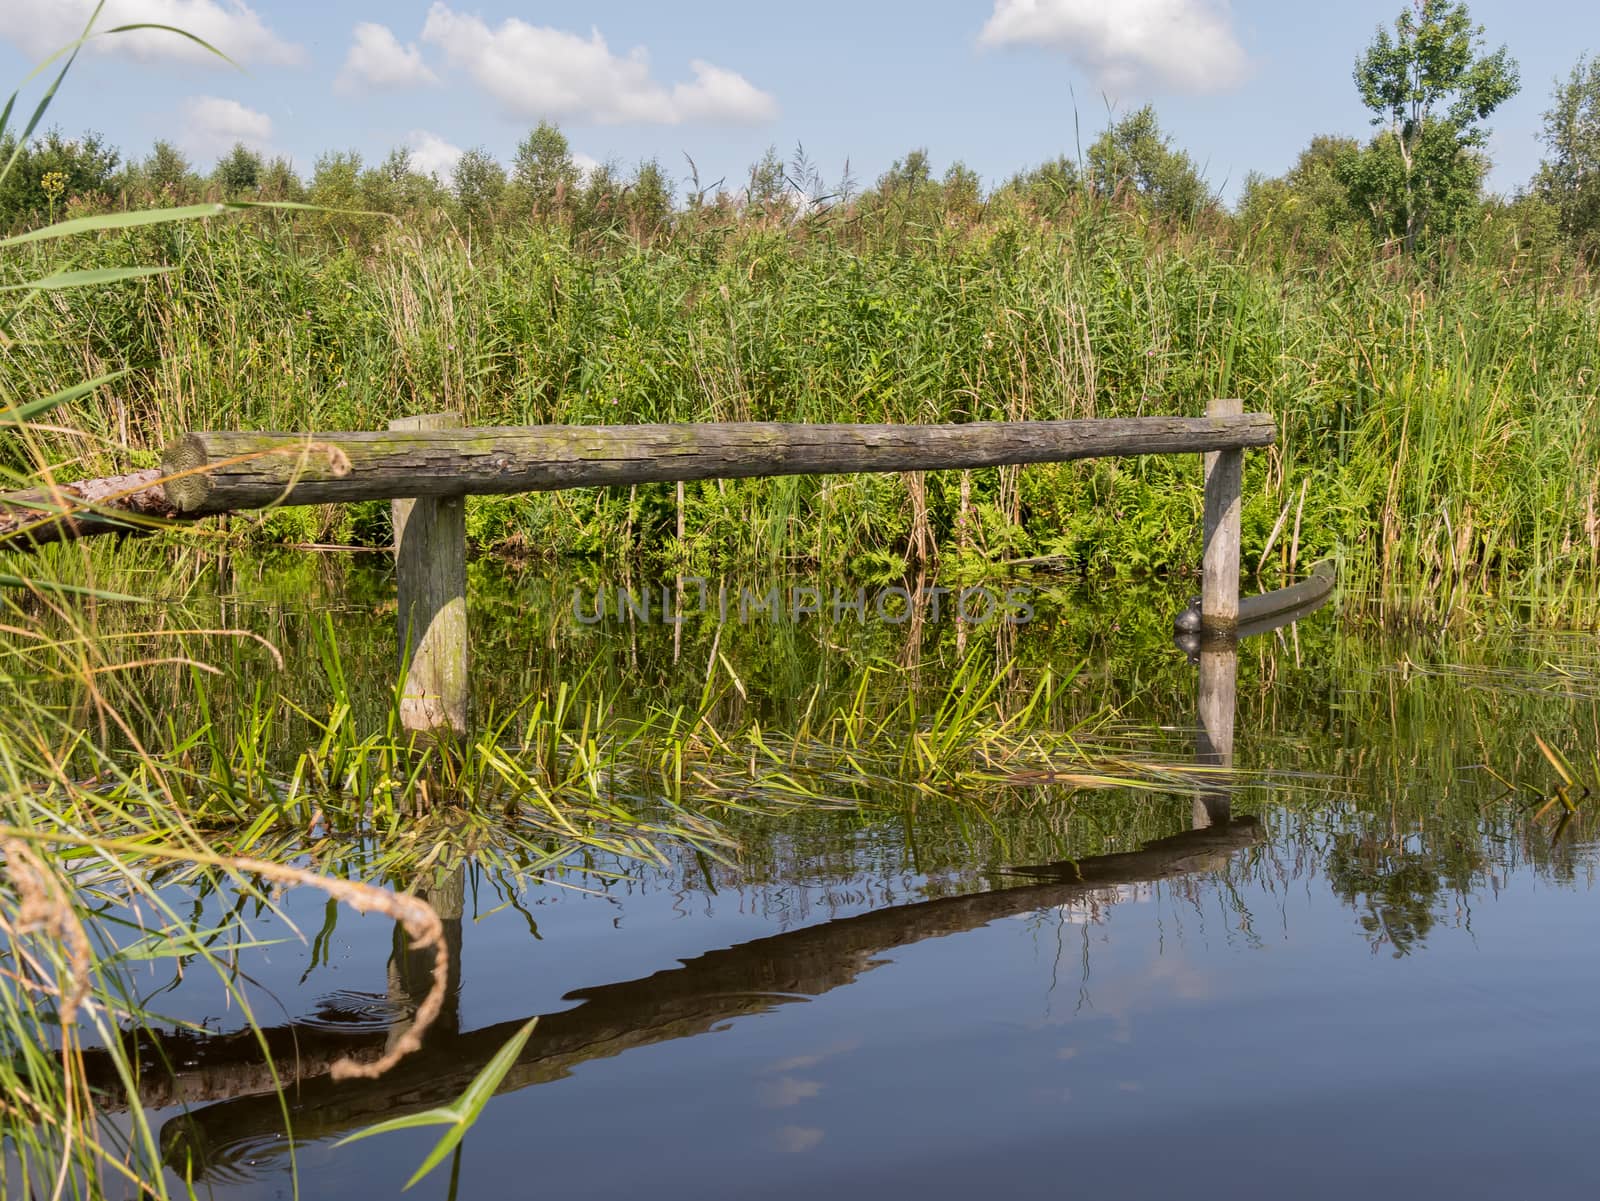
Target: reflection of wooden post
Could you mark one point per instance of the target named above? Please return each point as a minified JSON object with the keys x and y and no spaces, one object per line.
{"x":1216,"y":699}
{"x":430,"y":555}
{"x":1219,"y":569}
{"x":411,"y":970}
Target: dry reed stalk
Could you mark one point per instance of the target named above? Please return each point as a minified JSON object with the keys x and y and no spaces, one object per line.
{"x":921,"y":542}
{"x":43,"y":906}
{"x":422,"y":926}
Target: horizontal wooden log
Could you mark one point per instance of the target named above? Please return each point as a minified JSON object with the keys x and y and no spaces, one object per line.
{"x":110,"y":504}
{"x":217,"y":471}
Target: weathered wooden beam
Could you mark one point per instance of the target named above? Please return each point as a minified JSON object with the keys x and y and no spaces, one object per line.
{"x":430,"y":561}
{"x":217,"y":471}
{"x":1219,"y":566}
{"x":110,"y":504}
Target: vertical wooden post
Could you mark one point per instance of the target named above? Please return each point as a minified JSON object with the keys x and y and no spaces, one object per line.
{"x":430,"y":556}
{"x":1219,"y":565}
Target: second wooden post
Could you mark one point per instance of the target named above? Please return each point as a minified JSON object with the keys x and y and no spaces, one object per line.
{"x":430,"y":557}
{"x":1219,"y":561}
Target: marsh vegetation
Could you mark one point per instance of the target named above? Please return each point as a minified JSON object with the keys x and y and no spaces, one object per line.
{"x":203,"y":777}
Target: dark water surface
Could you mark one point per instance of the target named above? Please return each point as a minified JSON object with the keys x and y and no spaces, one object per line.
{"x":1379,"y":978}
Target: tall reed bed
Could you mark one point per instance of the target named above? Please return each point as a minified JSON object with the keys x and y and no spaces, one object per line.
{"x":1437,"y":424}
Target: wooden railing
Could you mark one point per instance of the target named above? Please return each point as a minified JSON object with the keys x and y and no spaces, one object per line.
{"x":427,"y":465}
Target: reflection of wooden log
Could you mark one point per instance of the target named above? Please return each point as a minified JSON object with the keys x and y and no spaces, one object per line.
{"x":111,"y":504}
{"x":220,"y":470}
{"x":750,"y":978}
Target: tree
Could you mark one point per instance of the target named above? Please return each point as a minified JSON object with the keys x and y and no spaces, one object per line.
{"x":1051,"y":189}
{"x":396,"y":185}
{"x":351,"y":194}
{"x":963,"y":191}
{"x":649,"y":199}
{"x":768,"y":190}
{"x":239,"y":171}
{"x":907,"y":193}
{"x":1134,"y":158}
{"x":1569,"y":179}
{"x":167,"y":171}
{"x":597,"y":209}
{"x":543,"y":173}
{"x":336,"y":180}
{"x":1309,"y":206}
{"x":51,"y":171}
{"x":480,"y":185}
{"x":907,"y":177}
{"x":1432,"y":86}
{"x":279,"y":181}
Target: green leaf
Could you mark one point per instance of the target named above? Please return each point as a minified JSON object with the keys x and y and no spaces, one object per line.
{"x":461,"y":1113}
{"x":170,"y":944}
{"x":183,"y":212}
{"x":79,"y":279}
{"x":443,"y":1116}
{"x":27,"y":412}
{"x":17,"y":581}
{"x":182,"y":33}
{"x":443,"y":1147}
{"x":485,"y":1082}
{"x":81,"y":225}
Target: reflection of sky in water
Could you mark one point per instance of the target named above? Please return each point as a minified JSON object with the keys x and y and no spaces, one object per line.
{"x":1158,"y":1037}
{"x":982,"y":1057}
{"x":1392,"y":994}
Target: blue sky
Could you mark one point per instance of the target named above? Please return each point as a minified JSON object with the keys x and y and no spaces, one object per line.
{"x":998,"y":84}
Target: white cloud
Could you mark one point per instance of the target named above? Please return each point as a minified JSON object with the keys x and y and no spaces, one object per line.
{"x":41,"y":27}
{"x":586,"y":164}
{"x":431,"y":154}
{"x":718,"y":94}
{"x":377,"y":59}
{"x":1186,"y":45}
{"x":212,"y":125}
{"x":538,"y":72}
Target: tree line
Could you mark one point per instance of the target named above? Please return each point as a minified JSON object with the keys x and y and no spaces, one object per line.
{"x":1430,"y":82}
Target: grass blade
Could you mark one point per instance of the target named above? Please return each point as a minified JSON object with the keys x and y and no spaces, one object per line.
{"x":27,"y":412}
{"x":61,"y":280}
{"x":461,"y":1113}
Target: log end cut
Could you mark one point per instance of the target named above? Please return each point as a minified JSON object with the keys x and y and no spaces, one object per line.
{"x":184,"y":463}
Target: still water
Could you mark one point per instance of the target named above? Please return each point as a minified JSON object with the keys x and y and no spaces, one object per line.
{"x":1375,"y":976}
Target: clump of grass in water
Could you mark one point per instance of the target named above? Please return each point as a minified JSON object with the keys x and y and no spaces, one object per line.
{"x":106,"y":770}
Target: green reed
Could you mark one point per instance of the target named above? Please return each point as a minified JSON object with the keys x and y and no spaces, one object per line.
{"x":1436,"y":424}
